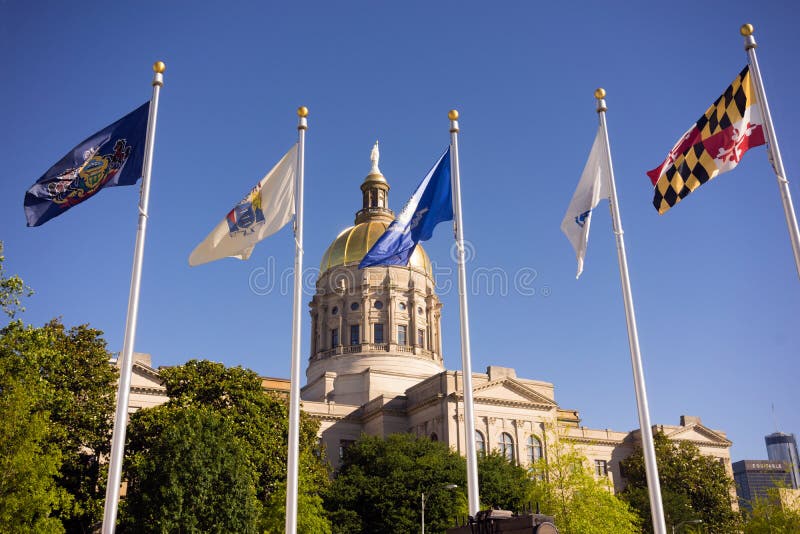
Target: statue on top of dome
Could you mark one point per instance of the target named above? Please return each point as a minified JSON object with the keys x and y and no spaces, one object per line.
{"x":374,"y":156}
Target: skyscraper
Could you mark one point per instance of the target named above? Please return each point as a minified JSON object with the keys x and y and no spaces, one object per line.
{"x":754,"y":479}
{"x":783,"y":448}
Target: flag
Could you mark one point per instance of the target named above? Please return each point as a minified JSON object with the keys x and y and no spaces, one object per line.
{"x":113,"y":156}
{"x":262,"y":212}
{"x":431,"y":203}
{"x":713,"y":145}
{"x":592,"y":187}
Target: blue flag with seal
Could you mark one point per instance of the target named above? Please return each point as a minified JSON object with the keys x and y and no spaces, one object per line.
{"x":431,"y":203}
{"x":113,"y":156}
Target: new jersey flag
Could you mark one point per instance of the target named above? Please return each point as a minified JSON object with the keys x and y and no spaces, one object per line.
{"x":431,"y":203}
{"x":262,"y":212}
{"x":713,"y":145}
{"x":113,"y":156}
{"x":592,"y":187}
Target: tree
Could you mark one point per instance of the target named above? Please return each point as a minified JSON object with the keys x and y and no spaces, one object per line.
{"x":72,"y":368}
{"x":693,"y":486}
{"x":260,"y":424}
{"x":769,"y":515}
{"x":30,"y":460}
{"x":12,"y":289}
{"x":380,"y":483}
{"x":192,"y":474}
{"x":565,"y":487}
{"x":502,"y":484}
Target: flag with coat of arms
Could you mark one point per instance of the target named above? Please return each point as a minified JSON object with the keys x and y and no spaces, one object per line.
{"x":267,"y":208}
{"x":111,"y":157}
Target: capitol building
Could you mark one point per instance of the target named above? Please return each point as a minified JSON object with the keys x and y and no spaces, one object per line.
{"x":375,"y":367}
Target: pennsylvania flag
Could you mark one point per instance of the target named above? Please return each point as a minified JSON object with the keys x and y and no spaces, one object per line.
{"x":430,"y":204}
{"x":113,"y":156}
{"x":713,"y":145}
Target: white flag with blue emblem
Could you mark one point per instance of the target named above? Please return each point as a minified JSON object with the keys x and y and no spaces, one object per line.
{"x":592,"y":187}
{"x":262,"y":212}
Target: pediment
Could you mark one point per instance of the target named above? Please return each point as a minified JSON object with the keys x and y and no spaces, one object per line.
{"x":698,"y":434}
{"x":144,"y":376}
{"x":507,"y":390}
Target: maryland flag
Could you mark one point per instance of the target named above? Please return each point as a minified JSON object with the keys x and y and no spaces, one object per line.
{"x":713,"y":145}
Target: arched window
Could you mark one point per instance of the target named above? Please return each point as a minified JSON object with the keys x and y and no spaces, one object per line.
{"x":534,"y":449}
{"x":506,"y":446}
{"x":480,"y":444}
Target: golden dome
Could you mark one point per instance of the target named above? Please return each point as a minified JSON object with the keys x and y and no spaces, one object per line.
{"x":353,"y":243}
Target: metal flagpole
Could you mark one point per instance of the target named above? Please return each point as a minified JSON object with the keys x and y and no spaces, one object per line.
{"x":294,"y":389}
{"x":466,"y":360}
{"x":653,"y":485}
{"x":123,"y":390}
{"x":772,"y":144}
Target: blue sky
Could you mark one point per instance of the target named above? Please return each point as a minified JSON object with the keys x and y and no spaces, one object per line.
{"x":716,"y":291}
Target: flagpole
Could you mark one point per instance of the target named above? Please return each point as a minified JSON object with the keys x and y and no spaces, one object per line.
{"x":294,"y":389}
{"x":126,"y":367}
{"x":772,"y":144}
{"x":466,"y":360}
{"x":651,"y":468}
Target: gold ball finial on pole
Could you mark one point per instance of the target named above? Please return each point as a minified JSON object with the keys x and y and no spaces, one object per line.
{"x":159,"y":67}
{"x":302,"y":111}
{"x":452,"y":114}
{"x":746,"y":30}
{"x":599,"y":93}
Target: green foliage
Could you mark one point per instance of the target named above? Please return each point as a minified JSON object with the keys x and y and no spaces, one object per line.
{"x":767,"y":515}
{"x":380,"y":484}
{"x":502,"y":484}
{"x":191,"y":473}
{"x":30,"y":460}
{"x":258,"y":421}
{"x":693,"y":486}
{"x":71,"y":366}
{"x":565,"y":487}
{"x":12,"y":290}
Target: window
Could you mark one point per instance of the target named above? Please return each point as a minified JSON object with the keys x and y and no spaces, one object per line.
{"x":378,"y":305}
{"x":534,"y":449}
{"x":601,"y":468}
{"x":344,"y":444}
{"x":434,"y":437}
{"x":377,"y":331}
{"x":334,"y":337}
{"x":419,"y":310}
{"x":354,"y":306}
{"x":402,"y":306}
{"x":335,"y":310}
{"x":354,"y":337}
{"x":480,"y":444}
{"x":402,"y":334}
{"x":506,"y":446}
{"x":421,"y":338}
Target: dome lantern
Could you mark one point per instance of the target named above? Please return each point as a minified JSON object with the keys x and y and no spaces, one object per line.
{"x":375,"y":193}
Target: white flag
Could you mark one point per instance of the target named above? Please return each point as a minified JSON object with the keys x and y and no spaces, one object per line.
{"x":262,"y":212}
{"x":592,"y":187}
